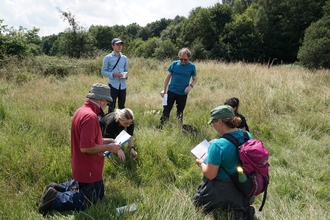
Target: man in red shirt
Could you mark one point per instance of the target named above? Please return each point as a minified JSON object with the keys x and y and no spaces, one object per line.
{"x":87,"y":160}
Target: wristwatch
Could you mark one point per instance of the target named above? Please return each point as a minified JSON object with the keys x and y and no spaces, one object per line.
{"x":191,"y":85}
{"x":200,"y":164}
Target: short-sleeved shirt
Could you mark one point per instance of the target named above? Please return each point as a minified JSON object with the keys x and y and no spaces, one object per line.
{"x":86,"y":133}
{"x":181,"y":75}
{"x":111,"y":127}
{"x":224,"y":153}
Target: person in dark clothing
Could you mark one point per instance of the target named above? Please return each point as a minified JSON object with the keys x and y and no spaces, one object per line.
{"x":234,"y":103}
{"x":113,"y":123}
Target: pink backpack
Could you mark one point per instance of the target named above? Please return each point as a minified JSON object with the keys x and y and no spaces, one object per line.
{"x":254,"y":160}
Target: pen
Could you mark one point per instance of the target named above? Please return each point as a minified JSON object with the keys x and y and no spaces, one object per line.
{"x":202,"y":155}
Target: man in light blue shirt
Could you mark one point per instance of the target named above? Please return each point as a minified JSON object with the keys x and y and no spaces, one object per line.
{"x":115,"y":67}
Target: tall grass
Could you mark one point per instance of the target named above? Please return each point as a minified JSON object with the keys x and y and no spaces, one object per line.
{"x":287,"y":107}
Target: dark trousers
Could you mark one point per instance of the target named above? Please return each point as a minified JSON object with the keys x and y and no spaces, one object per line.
{"x":215,"y":194}
{"x":78,"y":196}
{"x":180,"y":101}
{"x":121,"y":95}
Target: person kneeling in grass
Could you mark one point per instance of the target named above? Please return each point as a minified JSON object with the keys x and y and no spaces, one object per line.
{"x":87,"y":160}
{"x":217,"y":191}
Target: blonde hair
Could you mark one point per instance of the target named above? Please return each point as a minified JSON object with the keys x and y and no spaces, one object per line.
{"x":124,"y":114}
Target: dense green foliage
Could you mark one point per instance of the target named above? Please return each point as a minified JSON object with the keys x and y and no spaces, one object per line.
{"x":315,"y":51}
{"x":259,"y":31}
{"x":287,"y":107}
{"x":21,"y":42}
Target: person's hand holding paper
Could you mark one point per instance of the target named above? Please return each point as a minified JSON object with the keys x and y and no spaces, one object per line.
{"x":200,"y":151}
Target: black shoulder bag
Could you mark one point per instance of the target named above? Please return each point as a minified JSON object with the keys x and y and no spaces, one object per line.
{"x":116,"y":63}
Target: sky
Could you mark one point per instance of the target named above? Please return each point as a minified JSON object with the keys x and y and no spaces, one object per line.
{"x":43,"y":14}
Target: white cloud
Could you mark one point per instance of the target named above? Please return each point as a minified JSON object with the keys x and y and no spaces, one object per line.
{"x":44,"y":14}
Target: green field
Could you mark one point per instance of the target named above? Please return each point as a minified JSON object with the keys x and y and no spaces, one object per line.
{"x":287,"y":107}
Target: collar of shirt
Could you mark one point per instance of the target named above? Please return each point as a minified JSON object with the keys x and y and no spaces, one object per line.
{"x":97,"y":108}
{"x":95,"y":103}
{"x":114,"y":54}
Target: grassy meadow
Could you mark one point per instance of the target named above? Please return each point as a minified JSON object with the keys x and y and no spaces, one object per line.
{"x":287,"y":107}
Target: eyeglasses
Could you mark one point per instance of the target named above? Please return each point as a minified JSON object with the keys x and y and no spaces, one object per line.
{"x":125,"y":123}
{"x":183,"y":60}
{"x":214,"y":120}
{"x":128,"y":123}
{"x":108,"y":103}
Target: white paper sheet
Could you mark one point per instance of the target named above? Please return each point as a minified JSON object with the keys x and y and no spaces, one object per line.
{"x":165,"y":100}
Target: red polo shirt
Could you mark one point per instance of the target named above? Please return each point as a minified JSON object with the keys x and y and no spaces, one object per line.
{"x":86,"y":133}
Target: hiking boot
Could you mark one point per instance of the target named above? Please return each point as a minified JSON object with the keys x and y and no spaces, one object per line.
{"x":54,"y":185}
{"x":250,"y":213}
{"x":160,"y":126}
{"x":239,"y":215}
{"x":244,"y":215}
{"x":47,"y":201}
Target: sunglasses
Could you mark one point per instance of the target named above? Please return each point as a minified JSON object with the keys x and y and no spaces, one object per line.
{"x":183,"y":60}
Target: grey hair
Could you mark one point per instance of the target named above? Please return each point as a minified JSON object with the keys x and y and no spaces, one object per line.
{"x":184,"y":51}
{"x":124,"y":114}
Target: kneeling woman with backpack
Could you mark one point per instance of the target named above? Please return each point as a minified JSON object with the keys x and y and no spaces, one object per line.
{"x":217,"y":191}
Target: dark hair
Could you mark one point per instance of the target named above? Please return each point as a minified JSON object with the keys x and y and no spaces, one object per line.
{"x":233,"y":102}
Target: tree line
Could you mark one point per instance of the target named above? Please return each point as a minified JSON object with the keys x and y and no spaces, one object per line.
{"x":259,"y":31}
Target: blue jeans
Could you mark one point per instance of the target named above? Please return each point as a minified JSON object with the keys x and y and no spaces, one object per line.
{"x":77,"y":196}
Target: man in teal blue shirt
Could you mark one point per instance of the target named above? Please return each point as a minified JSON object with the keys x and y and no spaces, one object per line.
{"x":179,"y":72}
{"x":115,"y":67}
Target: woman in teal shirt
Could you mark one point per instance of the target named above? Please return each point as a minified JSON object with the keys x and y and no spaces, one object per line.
{"x":222,"y":153}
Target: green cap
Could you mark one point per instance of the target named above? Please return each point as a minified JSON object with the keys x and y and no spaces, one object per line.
{"x":221,"y":112}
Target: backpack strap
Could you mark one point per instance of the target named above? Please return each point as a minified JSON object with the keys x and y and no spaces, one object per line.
{"x":233,"y":140}
{"x":265,"y":193}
